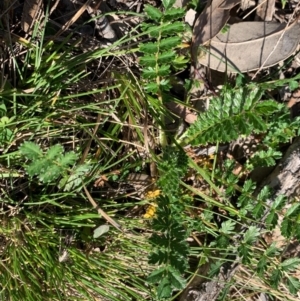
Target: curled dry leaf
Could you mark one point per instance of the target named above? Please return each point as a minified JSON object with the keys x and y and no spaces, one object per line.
{"x":212,"y":19}
{"x":247,"y":46}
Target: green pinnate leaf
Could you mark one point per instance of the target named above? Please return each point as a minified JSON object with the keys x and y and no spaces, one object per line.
{"x":163,"y":58}
{"x":176,"y":279}
{"x":67,"y":159}
{"x":293,"y":210}
{"x":245,"y":252}
{"x":54,"y":152}
{"x":297,"y":229}
{"x":52,"y":172}
{"x":156,"y":275}
{"x":275,"y":278}
{"x":170,"y":249}
{"x":228,"y":117}
{"x":258,"y":210}
{"x":149,"y":47}
{"x":222,"y":241}
{"x":215,"y":268}
{"x":279,"y":202}
{"x":31,"y":150}
{"x":155,"y":257}
{"x":36,"y":167}
{"x":265,"y":158}
{"x":290,"y":264}
{"x":251,"y":235}
{"x":6,"y":135}
{"x":179,"y":262}
{"x":74,"y":181}
{"x":246,"y":199}
{"x":293,"y":284}
{"x":145,"y":27}
{"x":228,"y":227}
{"x":172,"y":166}
{"x":159,"y":240}
{"x":242,"y":126}
{"x":255,"y":94}
{"x":286,"y":228}
{"x":264,"y":194}
{"x":164,"y":44}
{"x":173,"y":14}
{"x":151,"y":87}
{"x":257,"y":122}
{"x":261,"y":266}
{"x":148,"y":60}
{"x":168,"y":3}
{"x":169,"y":43}
{"x":47,"y":167}
{"x":179,"y":62}
{"x":153,"y":13}
{"x":166,"y":29}
{"x":272,"y":219}
{"x":164,"y":289}
{"x":152,"y":73}
{"x":272,"y":250}
{"x":267,"y":107}
{"x":166,"y":57}
{"x":165,"y":85}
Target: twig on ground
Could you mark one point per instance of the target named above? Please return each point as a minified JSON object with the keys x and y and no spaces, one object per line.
{"x":101,"y":212}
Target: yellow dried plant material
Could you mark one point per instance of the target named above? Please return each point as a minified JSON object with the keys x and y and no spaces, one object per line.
{"x":205,"y":161}
{"x":150,"y":211}
{"x":152,"y":194}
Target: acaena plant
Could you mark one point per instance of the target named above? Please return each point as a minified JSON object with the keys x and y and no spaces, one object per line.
{"x":170,"y":249}
{"x":159,"y":56}
{"x":47,"y":166}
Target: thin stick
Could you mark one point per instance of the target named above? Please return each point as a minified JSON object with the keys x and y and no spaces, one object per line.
{"x":255,"y":8}
{"x":73,"y":19}
{"x":101,"y":212}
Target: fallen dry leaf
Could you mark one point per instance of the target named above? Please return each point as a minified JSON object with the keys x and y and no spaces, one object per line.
{"x":212,"y":19}
{"x":247,"y":46}
{"x":265,"y":10}
{"x":246,"y":4}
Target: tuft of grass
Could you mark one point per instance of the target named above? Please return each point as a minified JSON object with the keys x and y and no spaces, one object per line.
{"x":64,"y":125}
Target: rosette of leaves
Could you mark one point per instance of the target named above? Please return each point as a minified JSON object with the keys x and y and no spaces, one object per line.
{"x":47,"y":166}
